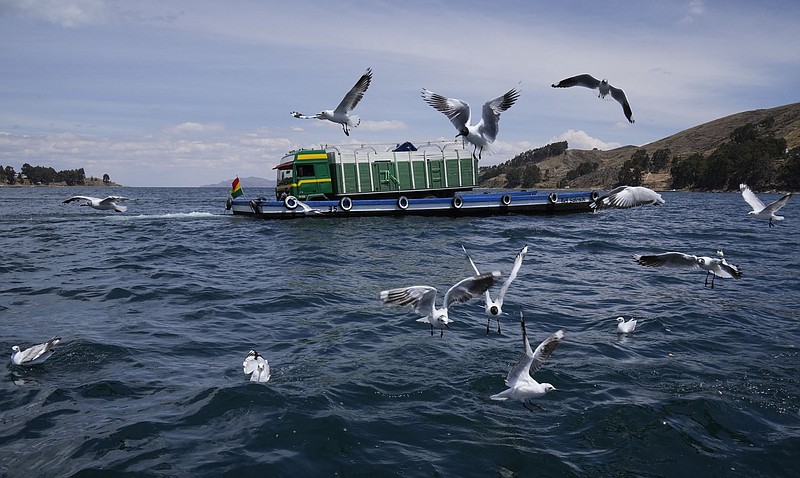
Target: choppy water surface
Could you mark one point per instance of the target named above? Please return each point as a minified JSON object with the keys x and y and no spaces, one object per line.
{"x":158,"y":307}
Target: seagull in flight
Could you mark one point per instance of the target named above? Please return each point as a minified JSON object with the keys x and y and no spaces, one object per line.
{"x":759,"y":209}
{"x":603,"y":87}
{"x":521,"y":385}
{"x":256,"y":366}
{"x":494,"y":308}
{"x":422,"y":298}
{"x":483,"y":133}
{"x":714,"y":266}
{"x":108,"y":203}
{"x":625,"y":327}
{"x":34,"y":355}
{"x":342,"y":114}
{"x":628,"y":196}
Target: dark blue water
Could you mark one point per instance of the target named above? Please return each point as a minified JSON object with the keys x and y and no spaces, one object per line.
{"x":158,"y":307}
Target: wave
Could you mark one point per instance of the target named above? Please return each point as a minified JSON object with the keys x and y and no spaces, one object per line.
{"x":171,"y":215}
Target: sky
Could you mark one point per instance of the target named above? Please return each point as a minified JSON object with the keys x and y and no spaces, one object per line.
{"x":187,"y":93}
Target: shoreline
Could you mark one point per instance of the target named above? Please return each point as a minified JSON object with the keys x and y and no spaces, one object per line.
{"x":92,"y":184}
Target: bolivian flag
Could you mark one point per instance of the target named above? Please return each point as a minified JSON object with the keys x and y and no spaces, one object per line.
{"x":236,"y":188}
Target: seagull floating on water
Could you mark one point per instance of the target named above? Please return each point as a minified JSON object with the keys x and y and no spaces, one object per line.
{"x":422,"y":298}
{"x":480,"y":135}
{"x":494,"y":308}
{"x":34,"y":355}
{"x":521,"y":385}
{"x":109,"y":202}
{"x":717,"y":266}
{"x":256,"y":366}
{"x":759,"y":209}
{"x":625,"y":327}
{"x":603,"y":87}
{"x":342,"y":114}
{"x":628,"y":196}
{"x":308,"y":210}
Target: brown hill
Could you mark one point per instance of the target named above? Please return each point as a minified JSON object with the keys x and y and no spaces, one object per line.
{"x":704,"y":138}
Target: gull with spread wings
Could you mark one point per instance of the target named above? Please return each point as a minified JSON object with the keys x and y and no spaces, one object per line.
{"x":603,"y":88}
{"x":521,"y":385}
{"x":342,"y":114}
{"x":494,"y":308}
{"x":714,"y":266}
{"x":760,"y":210}
{"x":109,"y":203}
{"x":422,"y":298}
{"x":482,"y":134}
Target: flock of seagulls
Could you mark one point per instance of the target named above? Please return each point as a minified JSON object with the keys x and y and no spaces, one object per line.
{"x":521,"y":385}
{"x":481,"y":134}
{"x":484,"y":133}
{"x":421,"y":298}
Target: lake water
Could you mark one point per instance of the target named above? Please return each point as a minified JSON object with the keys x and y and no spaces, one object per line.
{"x":157,"y":308}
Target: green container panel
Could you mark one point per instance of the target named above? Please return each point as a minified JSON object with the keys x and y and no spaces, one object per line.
{"x":452,"y":173}
{"x":350,"y":183}
{"x":436,"y":173}
{"x":466,"y":171}
{"x":404,"y":174}
{"x":363,"y":169}
{"x":418,"y":167}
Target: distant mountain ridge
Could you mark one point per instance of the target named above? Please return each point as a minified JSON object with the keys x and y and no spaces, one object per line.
{"x":248,"y":182}
{"x":703,"y":139}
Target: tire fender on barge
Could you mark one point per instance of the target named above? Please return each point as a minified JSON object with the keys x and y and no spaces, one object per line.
{"x":402,"y":202}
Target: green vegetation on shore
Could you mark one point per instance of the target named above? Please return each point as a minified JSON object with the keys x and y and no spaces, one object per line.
{"x":751,"y":153}
{"x":45,"y":175}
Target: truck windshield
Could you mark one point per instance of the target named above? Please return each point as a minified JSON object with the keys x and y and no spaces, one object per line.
{"x":284,"y":176}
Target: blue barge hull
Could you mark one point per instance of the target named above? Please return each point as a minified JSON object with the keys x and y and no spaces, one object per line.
{"x":465,"y":204}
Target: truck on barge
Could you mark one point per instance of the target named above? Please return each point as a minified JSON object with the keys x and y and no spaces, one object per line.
{"x":435,"y":179}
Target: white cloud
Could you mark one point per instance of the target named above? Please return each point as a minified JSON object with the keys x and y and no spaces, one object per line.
{"x":194,"y":128}
{"x":67,"y":13}
{"x":237,"y":72}
{"x":145,"y":161}
{"x":386,"y":125}
{"x":581,"y":140}
{"x":694,"y":9}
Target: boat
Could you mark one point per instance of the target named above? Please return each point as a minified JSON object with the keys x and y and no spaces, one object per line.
{"x":436,"y":179}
